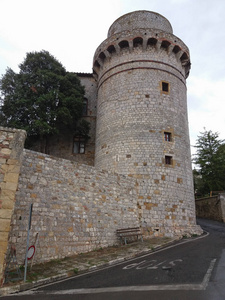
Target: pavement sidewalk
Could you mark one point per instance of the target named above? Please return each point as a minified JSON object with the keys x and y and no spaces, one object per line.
{"x":59,"y":269}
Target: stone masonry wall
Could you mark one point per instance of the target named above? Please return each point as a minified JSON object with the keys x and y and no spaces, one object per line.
{"x":75,"y":207}
{"x":135,"y":113}
{"x":11,"y":146}
{"x":139,"y":82}
{"x":211,"y":208}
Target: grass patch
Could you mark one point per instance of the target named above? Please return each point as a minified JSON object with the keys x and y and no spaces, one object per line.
{"x":75,"y":270}
{"x":32,"y":276}
{"x":185,"y":236}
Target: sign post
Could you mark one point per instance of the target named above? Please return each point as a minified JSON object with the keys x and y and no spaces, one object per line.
{"x":28,"y":235}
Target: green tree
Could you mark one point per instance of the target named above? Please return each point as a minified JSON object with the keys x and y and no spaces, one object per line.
{"x":210,"y":160}
{"x":43,"y":98}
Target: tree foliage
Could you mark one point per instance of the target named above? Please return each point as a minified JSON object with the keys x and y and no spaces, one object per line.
{"x":210,"y":161}
{"x":43,"y":98}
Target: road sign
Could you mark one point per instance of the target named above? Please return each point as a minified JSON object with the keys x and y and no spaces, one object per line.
{"x":31,"y":251}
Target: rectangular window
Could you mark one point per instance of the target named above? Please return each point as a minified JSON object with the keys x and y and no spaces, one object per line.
{"x":168,"y":160}
{"x":85,"y":107}
{"x":165,"y":87}
{"x":79,"y":145}
{"x":167,"y":136}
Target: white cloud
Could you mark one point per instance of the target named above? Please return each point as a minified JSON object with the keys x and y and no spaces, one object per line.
{"x":69,"y":30}
{"x":72,"y":30}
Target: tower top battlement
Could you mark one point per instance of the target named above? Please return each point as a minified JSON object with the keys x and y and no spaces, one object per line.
{"x":145,"y":29}
{"x":140,"y":19}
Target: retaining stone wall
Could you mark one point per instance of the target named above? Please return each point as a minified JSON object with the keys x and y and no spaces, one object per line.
{"x":11,"y":146}
{"x":75,"y":207}
{"x":211,"y":208}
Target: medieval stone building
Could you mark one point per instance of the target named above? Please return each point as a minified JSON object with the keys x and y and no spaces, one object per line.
{"x":135,"y":170}
{"x":142,"y":124}
{"x":137,"y":105}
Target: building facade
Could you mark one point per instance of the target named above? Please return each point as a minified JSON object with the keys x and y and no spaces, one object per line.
{"x":135,"y":170}
{"x":137,"y":106}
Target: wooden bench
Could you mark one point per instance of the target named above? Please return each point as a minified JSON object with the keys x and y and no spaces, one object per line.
{"x":125,"y":233}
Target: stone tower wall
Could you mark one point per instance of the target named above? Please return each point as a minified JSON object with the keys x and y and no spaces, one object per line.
{"x":141,"y":19}
{"x":134,"y":112}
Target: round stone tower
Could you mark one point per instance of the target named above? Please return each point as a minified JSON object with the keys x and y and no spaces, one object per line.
{"x":142,"y":124}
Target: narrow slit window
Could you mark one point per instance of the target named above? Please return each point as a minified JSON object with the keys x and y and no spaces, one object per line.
{"x":165,"y":87}
{"x":167,"y":136}
{"x":168,"y":160}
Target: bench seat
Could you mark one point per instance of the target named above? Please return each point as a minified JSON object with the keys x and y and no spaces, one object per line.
{"x":125,"y":233}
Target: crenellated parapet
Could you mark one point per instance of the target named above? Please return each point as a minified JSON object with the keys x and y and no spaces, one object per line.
{"x":148,"y":34}
{"x":146,"y":40}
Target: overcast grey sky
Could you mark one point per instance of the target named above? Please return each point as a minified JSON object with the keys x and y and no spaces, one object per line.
{"x":71,"y":30}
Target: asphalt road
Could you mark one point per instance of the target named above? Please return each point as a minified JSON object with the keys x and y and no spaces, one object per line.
{"x":191,"y":269}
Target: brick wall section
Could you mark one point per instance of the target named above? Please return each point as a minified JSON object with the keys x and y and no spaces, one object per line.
{"x":76,"y":208}
{"x":211,"y":208}
{"x":11,"y":146}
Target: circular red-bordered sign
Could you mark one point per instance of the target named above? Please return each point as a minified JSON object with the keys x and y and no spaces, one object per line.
{"x":30,"y":253}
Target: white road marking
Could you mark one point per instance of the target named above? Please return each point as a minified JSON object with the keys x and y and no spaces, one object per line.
{"x":174,"y":287}
{"x":208,"y":274}
{"x":121,"y":261}
{"x":152,"y":264}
